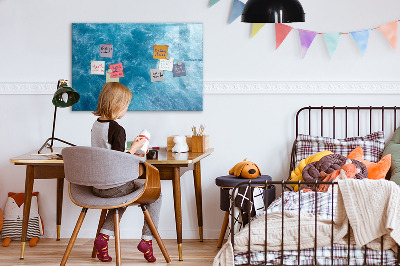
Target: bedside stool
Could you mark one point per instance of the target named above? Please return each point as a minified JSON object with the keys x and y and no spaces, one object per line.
{"x":226,"y":183}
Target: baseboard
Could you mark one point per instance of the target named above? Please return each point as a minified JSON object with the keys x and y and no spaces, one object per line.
{"x":245,"y":87}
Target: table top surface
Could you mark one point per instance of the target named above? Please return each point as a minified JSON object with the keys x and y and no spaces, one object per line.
{"x":164,"y":157}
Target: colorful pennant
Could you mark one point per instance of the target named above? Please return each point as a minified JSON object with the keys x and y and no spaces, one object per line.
{"x":332,"y":41}
{"x":389,"y":30}
{"x":213,"y":2}
{"x":281,"y":31}
{"x":361,"y":37}
{"x":237,"y":9}
{"x":256,"y":28}
{"x":306,"y":39}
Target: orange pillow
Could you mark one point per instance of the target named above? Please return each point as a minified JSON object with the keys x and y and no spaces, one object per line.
{"x":375,"y":170}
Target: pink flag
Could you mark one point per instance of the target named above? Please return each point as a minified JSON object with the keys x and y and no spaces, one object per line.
{"x":306,"y":39}
{"x":281,"y":31}
{"x":389,"y":30}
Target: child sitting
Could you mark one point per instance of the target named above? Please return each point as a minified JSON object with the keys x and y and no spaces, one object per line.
{"x":106,"y":133}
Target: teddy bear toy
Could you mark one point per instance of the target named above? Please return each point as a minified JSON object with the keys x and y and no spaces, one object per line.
{"x":180,"y":144}
{"x":245,"y":169}
{"x":13,"y":215}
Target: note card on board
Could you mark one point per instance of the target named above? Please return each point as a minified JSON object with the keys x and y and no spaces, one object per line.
{"x":110,"y":79}
{"x":166,"y":64}
{"x":106,"y":50}
{"x":179,"y":70}
{"x":117,"y":71}
{"x":160,"y":51}
{"x":156,"y":75}
{"x":97,"y":67}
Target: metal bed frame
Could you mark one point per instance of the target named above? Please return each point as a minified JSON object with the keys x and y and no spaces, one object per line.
{"x":283,"y":184}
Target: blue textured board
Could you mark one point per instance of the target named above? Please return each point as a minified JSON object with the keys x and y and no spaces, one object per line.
{"x":133,"y":47}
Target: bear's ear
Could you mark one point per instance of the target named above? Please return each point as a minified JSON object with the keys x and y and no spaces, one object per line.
{"x":238,"y":171}
{"x":257,"y":168}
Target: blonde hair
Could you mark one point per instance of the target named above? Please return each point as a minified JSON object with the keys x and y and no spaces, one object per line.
{"x":112,"y":99}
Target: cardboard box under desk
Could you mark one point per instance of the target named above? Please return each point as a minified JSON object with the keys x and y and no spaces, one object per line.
{"x":195,"y":143}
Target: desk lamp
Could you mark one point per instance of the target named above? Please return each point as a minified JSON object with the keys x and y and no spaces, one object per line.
{"x":63,"y":97}
{"x":273,"y":11}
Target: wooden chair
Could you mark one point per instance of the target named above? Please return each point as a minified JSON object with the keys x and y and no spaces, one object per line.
{"x":85,"y":167}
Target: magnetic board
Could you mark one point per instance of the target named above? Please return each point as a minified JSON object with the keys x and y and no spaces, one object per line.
{"x":133,"y":45}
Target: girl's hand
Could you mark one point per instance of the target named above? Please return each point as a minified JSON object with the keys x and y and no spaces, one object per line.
{"x":137,"y":144}
{"x":142,"y":155}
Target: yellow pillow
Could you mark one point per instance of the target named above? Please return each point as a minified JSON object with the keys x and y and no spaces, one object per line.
{"x":296,"y":174}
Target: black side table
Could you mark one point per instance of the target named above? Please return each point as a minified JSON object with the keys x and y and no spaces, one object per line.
{"x":226,"y":183}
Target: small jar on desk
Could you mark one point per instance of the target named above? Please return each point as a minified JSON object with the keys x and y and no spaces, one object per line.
{"x":226,"y":183}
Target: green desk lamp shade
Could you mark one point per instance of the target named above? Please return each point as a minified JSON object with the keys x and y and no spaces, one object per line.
{"x":273,"y":11}
{"x":63,"y":97}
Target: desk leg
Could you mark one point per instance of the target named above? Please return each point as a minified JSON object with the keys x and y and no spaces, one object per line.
{"x":199,"y":204}
{"x":176,"y":182}
{"x":27,"y":206}
{"x":60,"y":190}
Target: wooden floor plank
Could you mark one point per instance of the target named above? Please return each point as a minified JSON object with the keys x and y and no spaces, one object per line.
{"x":49,"y":252}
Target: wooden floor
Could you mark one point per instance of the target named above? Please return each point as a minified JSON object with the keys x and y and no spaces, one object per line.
{"x":50,"y":252}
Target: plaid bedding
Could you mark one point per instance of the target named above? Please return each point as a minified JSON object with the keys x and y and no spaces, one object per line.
{"x":372,"y":145}
{"x":323,"y":207}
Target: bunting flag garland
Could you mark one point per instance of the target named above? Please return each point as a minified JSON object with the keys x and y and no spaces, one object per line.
{"x":332,"y":41}
{"x":389,"y":30}
{"x":306,"y":39}
{"x":237,"y":9}
{"x":256,"y":28}
{"x":361,"y":38}
{"x":213,"y":2}
{"x":281,"y":31}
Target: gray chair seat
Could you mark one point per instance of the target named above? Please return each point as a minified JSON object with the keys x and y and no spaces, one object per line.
{"x":83,"y":196}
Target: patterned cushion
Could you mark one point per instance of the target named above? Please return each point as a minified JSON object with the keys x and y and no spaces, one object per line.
{"x":372,"y":144}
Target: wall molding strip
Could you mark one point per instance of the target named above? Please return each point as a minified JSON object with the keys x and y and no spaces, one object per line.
{"x":244,"y":87}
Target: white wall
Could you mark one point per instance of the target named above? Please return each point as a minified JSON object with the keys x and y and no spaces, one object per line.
{"x":35,"y":46}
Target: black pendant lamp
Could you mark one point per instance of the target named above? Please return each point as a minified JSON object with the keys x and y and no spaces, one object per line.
{"x":273,"y":11}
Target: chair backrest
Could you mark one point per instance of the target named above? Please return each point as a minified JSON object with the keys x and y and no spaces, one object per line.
{"x":92,"y":166}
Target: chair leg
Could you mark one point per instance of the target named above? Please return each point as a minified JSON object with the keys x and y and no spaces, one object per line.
{"x":154,"y":230}
{"x":101,"y":222}
{"x":73,"y":237}
{"x":223,"y":229}
{"x":117,"y":238}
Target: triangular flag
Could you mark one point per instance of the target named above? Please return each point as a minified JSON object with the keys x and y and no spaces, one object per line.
{"x":237,"y":9}
{"x":256,"y":28}
{"x":361,"y":37}
{"x":332,"y":41}
{"x":213,"y":2}
{"x":306,"y":39}
{"x":390,"y":32}
{"x":281,"y":31}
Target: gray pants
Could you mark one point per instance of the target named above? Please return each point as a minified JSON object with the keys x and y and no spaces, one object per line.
{"x":154,"y":208}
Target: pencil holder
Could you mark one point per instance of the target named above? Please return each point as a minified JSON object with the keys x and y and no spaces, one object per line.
{"x":200,"y":143}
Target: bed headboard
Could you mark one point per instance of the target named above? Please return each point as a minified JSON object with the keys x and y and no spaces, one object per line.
{"x":344,"y":121}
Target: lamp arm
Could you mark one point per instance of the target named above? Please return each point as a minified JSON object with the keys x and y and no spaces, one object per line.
{"x":54,"y":126}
